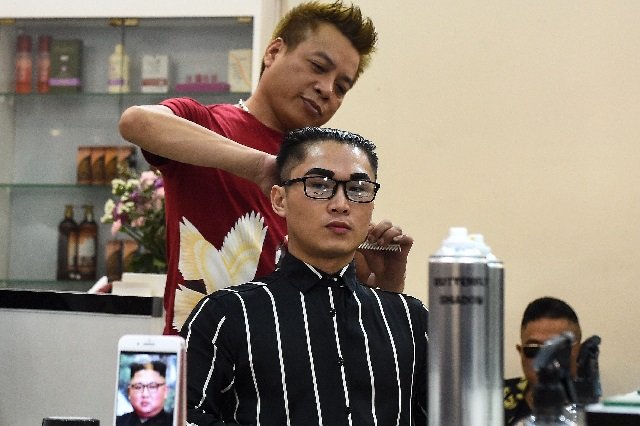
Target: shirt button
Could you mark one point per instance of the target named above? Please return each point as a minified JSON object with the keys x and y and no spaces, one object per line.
{"x":340,"y":361}
{"x":332,"y":312}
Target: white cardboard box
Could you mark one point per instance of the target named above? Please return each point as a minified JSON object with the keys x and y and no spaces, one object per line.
{"x":155,"y":73}
{"x":138,"y":284}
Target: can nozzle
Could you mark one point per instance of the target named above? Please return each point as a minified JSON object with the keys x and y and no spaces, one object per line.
{"x":458,"y":242}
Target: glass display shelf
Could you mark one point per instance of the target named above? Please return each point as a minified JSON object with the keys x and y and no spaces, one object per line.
{"x":45,"y":284}
{"x":44,"y":131}
{"x":52,"y":186}
{"x":131,"y":98}
{"x":215,"y":97}
{"x":172,"y":23}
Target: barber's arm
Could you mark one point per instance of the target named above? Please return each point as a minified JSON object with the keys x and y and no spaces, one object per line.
{"x":385,"y":269}
{"x":156,"y":129}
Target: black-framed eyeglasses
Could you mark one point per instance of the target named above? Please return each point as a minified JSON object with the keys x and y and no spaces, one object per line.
{"x":152,"y":387}
{"x":324,"y":188}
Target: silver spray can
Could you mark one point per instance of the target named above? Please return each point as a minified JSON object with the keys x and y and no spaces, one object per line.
{"x":465,"y":333}
{"x":495,"y":332}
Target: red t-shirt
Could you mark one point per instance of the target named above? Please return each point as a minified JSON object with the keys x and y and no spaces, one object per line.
{"x":211,"y":199}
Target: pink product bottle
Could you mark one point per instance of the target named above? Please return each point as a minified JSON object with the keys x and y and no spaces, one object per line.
{"x":24,"y":64}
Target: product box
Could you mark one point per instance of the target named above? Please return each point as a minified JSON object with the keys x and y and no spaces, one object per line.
{"x":240,"y":70}
{"x":83,"y":165}
{"x":110,"y":163}
{"x":126,"y":157}
{"x":97,"y":165}
{"x":200,"y":86}
{"x":140,"y":284}
{"x":66,"y":66}
{"x":155,"y":74}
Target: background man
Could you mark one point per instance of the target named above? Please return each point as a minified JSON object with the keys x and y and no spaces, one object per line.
{"x":147,"y":394}
{"x":310,"y":344}
{"x":543,"y":319}
{"x":216,"y":159}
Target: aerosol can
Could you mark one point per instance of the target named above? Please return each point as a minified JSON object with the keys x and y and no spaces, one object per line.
{"x":466,"y":283}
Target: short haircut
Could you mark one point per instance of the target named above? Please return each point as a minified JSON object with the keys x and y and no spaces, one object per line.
{"x":158,"y":366}
{"x":296,"y":142}
{"x":548,"y":307}
{"x":296,"y":25}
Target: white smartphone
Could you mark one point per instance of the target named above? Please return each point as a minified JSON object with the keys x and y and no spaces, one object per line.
{"x":150,"y":380}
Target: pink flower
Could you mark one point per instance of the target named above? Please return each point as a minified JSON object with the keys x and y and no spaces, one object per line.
{"x":115,"y":227}
{"x":147,"y":178}
{"x":138,"y":222}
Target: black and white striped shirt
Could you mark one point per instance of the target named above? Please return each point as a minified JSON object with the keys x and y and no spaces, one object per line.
{"x":303,"y":348}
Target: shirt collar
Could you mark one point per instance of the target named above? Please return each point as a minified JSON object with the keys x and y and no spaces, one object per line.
{"x":305,"y":277}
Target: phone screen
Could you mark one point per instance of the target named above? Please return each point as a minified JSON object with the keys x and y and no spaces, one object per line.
{"x":146,"y":388}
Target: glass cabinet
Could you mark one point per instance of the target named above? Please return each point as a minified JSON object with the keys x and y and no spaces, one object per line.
{"x":41,"y":133}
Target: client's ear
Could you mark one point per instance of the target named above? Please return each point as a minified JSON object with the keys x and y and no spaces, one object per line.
{"x":278,"y":200}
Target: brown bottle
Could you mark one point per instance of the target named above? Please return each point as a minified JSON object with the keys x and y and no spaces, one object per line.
{"x":87,"y":245}
{"x":67,"y":245}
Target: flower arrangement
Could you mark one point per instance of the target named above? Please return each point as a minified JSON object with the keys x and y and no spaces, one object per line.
{"x":137,"y":210}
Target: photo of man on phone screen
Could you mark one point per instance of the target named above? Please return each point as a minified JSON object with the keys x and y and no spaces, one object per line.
{"x":147,"y":392}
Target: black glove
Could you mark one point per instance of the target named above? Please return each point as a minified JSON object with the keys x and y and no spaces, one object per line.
{"x":587,"y":383}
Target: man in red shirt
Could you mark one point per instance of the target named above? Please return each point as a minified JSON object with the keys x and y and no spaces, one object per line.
{"x":218,"y":161}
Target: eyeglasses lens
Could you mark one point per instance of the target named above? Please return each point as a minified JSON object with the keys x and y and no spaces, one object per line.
{"x":319,"y":187}
{"x":151,"y":387}
{"x":530,"y":351}
{"x":360,"y":191}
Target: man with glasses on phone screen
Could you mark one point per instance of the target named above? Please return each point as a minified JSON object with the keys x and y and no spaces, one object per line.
{"x":543,"y":319}
{"x":147,"y":393}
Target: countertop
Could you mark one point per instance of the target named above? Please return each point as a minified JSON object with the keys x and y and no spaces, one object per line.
{"x":67,"y":301}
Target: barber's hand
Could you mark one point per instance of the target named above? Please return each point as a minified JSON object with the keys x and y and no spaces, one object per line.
{"x":266,"y":174}
{"x":383,"y":268}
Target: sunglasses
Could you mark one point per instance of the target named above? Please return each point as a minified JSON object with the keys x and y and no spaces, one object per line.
{"x":530,"y":350}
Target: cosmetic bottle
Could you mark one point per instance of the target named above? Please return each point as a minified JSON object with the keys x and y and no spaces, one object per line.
{"x":118,"y":71}
{"x":87,"y":245}
{"x":67,"y":245}
{"x":44,"y":63}
{"x":24,"y":64}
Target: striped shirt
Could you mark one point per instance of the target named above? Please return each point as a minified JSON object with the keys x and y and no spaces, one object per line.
{"x":303,"y":348}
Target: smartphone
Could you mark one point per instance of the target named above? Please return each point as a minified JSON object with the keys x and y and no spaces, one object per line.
{"x":150,"y":380}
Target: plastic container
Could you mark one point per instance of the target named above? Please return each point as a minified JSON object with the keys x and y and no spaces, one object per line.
{"x":118,"y":71}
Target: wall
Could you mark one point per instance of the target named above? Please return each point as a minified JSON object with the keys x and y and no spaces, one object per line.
{"x":519,"y":120}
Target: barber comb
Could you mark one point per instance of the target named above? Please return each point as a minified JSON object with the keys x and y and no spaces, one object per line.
{"x":375,"y":246}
